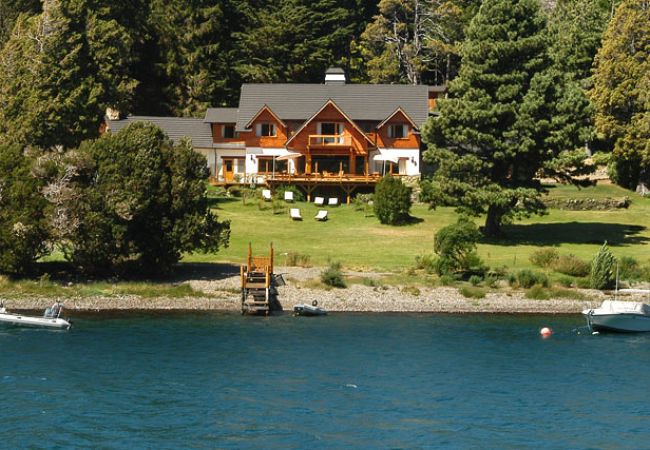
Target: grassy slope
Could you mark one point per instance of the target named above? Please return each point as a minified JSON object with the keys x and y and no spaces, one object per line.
{"x":361,"y":242}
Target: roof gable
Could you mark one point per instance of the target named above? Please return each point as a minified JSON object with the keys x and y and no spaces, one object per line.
{"x":332,"y":103}
{"x":270,"y":111}
{"x":398,"y":111}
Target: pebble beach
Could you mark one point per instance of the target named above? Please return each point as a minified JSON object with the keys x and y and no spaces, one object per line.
{"x":222,"y":295}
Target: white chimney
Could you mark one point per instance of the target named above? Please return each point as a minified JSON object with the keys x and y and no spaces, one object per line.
{"x":335,"y":75}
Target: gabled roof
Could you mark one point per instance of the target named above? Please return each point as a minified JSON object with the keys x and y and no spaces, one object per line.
{"x":367,"y":102}
{"x":328,"y":103}
{"x":262,"y":109}
{"x":221,"y":115}
{"x":399,"y":109}
{"x":175,"y":128}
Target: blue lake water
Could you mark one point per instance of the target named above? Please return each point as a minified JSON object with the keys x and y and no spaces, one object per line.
{"x":342,"y":381}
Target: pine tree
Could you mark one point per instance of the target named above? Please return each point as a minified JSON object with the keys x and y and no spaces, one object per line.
{"x":59,"y":71}
{"x":620,"y":92}
{"x":508,"y":120}
{"x":9,"y":12}
{"x":413,"y":41}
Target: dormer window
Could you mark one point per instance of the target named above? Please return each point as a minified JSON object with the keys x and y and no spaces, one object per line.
{"x":398,"y":131}
{"x":265,"y":129}
{"x":228,"y":131}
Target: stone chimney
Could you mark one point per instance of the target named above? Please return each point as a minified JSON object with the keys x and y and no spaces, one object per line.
{"x":335,"y":75}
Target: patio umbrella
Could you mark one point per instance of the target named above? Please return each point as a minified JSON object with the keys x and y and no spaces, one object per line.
{"x":384,"y":158}
{"x":285,"y":157}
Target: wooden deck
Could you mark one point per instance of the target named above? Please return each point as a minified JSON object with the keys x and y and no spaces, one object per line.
{"x":348,"y":183}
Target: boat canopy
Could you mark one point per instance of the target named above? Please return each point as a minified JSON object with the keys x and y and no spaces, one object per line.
{"x":615,"y":306}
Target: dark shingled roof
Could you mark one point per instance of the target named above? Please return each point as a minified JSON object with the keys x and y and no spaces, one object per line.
{"x":372,"y":102}
{"x":221,"y":115}
{"x":174,"y":127}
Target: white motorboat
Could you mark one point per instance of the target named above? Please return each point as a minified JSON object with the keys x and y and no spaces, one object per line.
{"x":620,"y":316}
{"x":309,"y":310}
{"x":51,"y":318}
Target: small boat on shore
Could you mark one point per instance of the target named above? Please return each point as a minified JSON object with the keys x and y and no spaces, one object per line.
{"x":51,"y":318}
{"x":620,"y":316}
{"x":304,"y":309}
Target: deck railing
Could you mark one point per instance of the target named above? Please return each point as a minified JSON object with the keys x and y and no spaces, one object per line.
{"x":329,"y":139}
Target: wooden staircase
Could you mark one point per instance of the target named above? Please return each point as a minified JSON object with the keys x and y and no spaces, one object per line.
{"x":258,"y":291}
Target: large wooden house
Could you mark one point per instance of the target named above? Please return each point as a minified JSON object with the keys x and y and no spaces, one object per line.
{"x":310,"y":134}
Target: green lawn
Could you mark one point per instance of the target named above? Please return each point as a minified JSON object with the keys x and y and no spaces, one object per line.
{"x":362,"y":242}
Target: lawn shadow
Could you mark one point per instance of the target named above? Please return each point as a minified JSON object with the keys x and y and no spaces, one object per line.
{"x":203,"y":271}
{"x":551,"y":234}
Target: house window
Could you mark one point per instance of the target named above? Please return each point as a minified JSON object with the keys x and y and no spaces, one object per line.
{"x":265,"y":129}
{"x":398,"y":131}
{"x":265,"y":165}
{"x":228,"y":131}
{"x":331,"y":129}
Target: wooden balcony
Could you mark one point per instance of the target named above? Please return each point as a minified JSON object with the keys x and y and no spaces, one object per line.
{"x":330,"y":140}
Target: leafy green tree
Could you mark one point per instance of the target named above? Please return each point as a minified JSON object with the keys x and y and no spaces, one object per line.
{"x":60,"y":70}
{"x":23,"y":228}
{"x":455,"y":246}
{"x":602,"y":269}
{"x":392,"y":201}
{"x":508,"y":120}
{"x":620,"y":92}
{"x":413,"y":41}
{"x":139,"y":203}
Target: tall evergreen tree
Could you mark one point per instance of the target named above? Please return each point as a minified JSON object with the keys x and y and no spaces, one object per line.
{"x":414,"y":41}
{"x":60,"y":70}
{"x":295,"y":40}
{"x":9,"y":12}
{"x":506,"y":120}
{"x":620,"y":92}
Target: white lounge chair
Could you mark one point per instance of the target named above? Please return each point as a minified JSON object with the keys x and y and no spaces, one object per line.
{"x":288,"y":196}
{"x":319,"y":201}
{"x":322,"y":215}
{"x":266,"y":194}
{"x":295,"y":214}
{"x":333,"y":201}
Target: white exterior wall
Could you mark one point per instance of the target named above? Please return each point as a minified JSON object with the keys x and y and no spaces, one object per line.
{"x":409,"y":160}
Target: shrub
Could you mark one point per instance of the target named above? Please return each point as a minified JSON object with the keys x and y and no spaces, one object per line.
{"x":234,"y":191}
{"x":412,"y":290}
{"x":298,"y":195}
{"x":602,"y":276}
{"x":565,"y":281}
{"x":629,"y":269}
{"x":447,"y":280}
{"x":426,"y":262}
{"x":491,"y":280}
{"x":362,"y":201}
{"x":475,"y":280}
{"x":23,"y":224}
{"x":583,"y":283}
{"x":527,"y":279}
{"x":332,"y":276}
{"x":544,"y":257}
{"x":278,"y":206}
{"x":472,"y":292}
{"x":370,"y":282}
{"x":571,"y":265}
{"x":537,"y":292}
{"x":392,"y":201}
{"x":455,"y":245}
{"x":297,"y":260}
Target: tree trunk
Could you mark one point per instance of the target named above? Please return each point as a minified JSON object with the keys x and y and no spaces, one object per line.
{"x":493,"y":222}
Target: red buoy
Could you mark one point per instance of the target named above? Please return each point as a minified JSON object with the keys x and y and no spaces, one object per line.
{"x":546,"y":332}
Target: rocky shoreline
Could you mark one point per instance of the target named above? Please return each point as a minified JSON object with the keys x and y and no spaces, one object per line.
{"x":222,"y":295}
